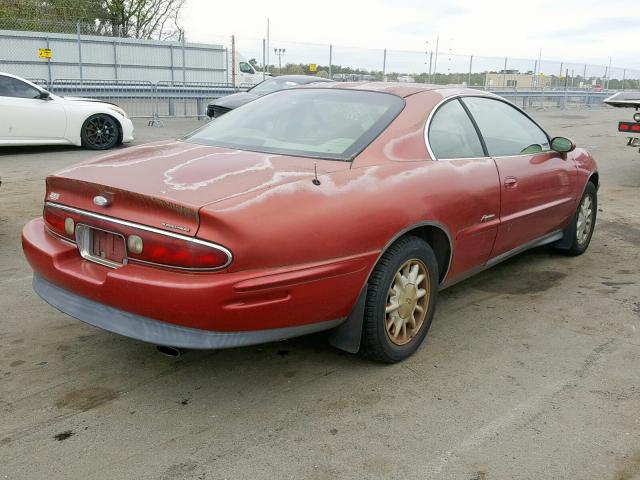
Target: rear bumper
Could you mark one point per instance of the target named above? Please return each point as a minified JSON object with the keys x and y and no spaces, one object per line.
{"x":308,"y":296}
{"x":160,"y":333}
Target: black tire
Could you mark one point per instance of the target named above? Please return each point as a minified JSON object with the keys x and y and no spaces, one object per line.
{"x":100,"y":132}
{"x":573,"y":243}
{"x":376,"y":341}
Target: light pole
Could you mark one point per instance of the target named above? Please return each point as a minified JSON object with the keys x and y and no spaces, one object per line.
{"x":430,"y":54}
{"x":435,"y":62}
{"x":433,"y":59}
{"x":279,"y":52}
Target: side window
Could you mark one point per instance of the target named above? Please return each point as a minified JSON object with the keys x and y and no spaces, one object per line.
{"x":505,"y":129}
{"x":12,"y":87}
{"x":246,"y":68}
{"x":452,"y":135}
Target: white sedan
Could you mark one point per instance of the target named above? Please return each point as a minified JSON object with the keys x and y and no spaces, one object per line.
{"x":29,"y":115}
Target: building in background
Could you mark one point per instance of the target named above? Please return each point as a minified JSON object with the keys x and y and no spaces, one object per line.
{"x":514,"y":79}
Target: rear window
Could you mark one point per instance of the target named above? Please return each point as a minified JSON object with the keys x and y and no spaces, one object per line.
{"x":319,"y":123}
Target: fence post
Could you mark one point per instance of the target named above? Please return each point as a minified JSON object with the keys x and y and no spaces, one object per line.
{"x":171,"y":66}
{"x":48,"y":65}
{"x":184,"y":64}
{"x":79,"y":52}
{"x":155,"y":114}
{"x":264,"y":59}
{"x":172,"y":109}
{"x":115,"y":59}
{"x":586,"y":101}
{"x":504,"y":73}
{"x":384,"y":64}
{"x":184,"y":72}
{"x":226,"y":63}
{"x":561,"y":67}
{"x":330,"y":60}
{"x":566,"y":85}
{"x":233,"y":60}
{"x":470,"y":69}
{"x":533,"y":83}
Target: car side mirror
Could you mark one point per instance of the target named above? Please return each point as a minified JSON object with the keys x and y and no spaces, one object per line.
{"x":562,"y":145}
{"x":44,"y":95}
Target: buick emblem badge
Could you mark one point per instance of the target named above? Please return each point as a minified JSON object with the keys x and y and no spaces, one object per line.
{"x":100,"y":201}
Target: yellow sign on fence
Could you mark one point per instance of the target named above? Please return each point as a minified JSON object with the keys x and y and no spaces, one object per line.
{"x":44,"y":53}
{"x":313,"y":67}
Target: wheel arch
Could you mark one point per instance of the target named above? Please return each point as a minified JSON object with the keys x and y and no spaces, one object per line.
{"x":438,"y":238}
{"x":595,"y":179}
{"x":347,"y":336}
{"x":118,"y":123}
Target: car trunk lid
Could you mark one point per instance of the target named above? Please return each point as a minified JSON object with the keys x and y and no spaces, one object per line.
{"x":164,"y":184}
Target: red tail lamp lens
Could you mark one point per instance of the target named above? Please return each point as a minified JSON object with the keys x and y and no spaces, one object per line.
{"x":628,"y":127}
{"x":55,"y":219}
{"x":178,"y":252}
{"x":170,"y":250}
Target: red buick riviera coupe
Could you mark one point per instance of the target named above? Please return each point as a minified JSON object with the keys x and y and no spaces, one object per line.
{"x":343,"y":207}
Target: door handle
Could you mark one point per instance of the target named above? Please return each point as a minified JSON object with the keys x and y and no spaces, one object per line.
{"x":510,"y":182}
{"x":487,"y":217}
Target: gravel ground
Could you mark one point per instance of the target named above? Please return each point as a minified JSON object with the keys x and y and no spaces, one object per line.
{"x":531,"y":369}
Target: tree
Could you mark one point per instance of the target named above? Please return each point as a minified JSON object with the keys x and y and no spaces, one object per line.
{"x":144,"y":18}
{"x":157,"y":19}
{"x":293,"y":69}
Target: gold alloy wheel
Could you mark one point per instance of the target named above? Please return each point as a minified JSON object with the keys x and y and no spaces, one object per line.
{"x":407,"y":302}
{"x":585,"y":220}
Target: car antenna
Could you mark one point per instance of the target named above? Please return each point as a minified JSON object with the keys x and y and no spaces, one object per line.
{"x":315,"y":180}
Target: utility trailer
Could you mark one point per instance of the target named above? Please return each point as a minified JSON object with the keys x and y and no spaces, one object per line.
{"x":632,"y":129}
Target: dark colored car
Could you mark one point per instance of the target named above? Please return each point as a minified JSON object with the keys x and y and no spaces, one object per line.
{"x":222,"y":105}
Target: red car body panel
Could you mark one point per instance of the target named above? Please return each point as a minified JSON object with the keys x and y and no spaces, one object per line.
{"x":168,"y":182}
{"x":302,"y":252}
{"x":249,"y":300}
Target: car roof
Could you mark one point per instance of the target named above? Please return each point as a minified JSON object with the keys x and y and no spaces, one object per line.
{"x":403,"y":90}
{"x":303,"y":79}
{"x":21,"y":79}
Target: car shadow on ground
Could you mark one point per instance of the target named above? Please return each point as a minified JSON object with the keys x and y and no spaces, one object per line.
{"x":102,"y":367}
{"x":506,"y":278}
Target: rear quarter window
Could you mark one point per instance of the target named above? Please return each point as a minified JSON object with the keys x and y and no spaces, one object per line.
{"x":452,"y":135}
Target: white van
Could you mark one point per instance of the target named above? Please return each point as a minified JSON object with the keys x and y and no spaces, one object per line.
{"x":246,"y":74}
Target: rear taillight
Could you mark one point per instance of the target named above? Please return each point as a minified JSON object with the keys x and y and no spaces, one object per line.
{"x":144,"y":244}
{"x":174,"y":251}
{"x":60,"y":222}
{"x":628,"y":127}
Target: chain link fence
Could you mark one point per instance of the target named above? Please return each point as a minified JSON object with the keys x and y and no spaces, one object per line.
{"x":443,"y":68}
{"x":155,"y":79}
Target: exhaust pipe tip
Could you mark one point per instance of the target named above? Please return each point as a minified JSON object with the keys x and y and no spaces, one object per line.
{"x":169,"y":351}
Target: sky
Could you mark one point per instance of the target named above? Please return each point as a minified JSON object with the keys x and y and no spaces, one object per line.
{"x":576,"y":31}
